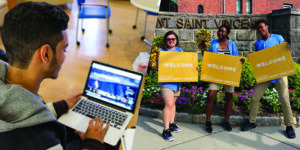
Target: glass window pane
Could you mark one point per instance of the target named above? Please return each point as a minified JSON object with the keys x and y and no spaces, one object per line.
{"x":249,"y":6}
{"x":238,"y":6}
{"x":200,"y":9}
{"x":287,"y":5}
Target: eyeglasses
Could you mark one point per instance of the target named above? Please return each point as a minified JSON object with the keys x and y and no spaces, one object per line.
{"x":171,"y":39}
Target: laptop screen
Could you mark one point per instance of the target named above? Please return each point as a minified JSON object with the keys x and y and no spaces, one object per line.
{"x":113,"y":85}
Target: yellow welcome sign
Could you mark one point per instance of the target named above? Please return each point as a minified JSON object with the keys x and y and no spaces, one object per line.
{"x":220,"y":68}
{"x":177,"y":66}
{"x":272,"y":63}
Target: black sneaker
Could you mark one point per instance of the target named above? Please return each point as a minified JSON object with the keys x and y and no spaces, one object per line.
{"x":227,"y":126}
{"x":290,"y":132}
{"x":174,"y":128}
{"x":248,"y":126}
{"x":208,"y":127}
{"x":167,"y":135}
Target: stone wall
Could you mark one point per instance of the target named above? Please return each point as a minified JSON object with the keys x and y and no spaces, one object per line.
{"x":285,"y":22}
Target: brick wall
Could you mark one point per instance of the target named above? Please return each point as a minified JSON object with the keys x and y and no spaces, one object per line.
{"x":285,"y":22}
{"x":191,"y":6}
{"x":216,"y":6}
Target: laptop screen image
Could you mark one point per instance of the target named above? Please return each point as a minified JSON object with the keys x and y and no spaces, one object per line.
{"x":113,"y":85}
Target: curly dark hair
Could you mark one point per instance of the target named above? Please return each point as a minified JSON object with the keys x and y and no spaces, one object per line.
{"x":30,"y":25}
{"x":164,"y":42}
{"x":227,"y":29}
{"x":261,"y":21}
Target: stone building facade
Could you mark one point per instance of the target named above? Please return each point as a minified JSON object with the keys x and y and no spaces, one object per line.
{"x":285,"y":22}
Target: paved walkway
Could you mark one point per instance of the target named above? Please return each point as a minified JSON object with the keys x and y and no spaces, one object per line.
{"x":194,"y":137}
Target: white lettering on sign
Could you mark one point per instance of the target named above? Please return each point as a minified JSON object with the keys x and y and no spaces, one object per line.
{"x":176,"y":65}
{"x":221,"y":67}
{"x":266,"y":63}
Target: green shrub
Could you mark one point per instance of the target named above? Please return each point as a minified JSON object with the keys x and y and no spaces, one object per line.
{"x":294,"y":80}
{"x":244,"y":99}
{"x":201,"y":83}
{"x":152,"y":98}
{"x":157,"y":41}
{"x":192,"y":100}
{"x":235,"y":100}
{"x":151,"y":90}
{"x":151,"y":79}
{"x":294,"y":99}
{"x":247,"y":80}
{"x":271,"y":101}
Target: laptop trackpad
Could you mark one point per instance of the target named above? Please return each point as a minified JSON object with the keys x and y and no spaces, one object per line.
{"x":75,"y":121}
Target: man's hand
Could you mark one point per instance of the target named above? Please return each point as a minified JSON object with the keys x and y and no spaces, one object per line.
{"x":242,"y":60}
{"x":288,"y":46}
{"x":94,"y":131}
{"x":73,"y":99}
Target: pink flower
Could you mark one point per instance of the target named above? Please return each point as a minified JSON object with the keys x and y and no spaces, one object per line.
{"x":234,"y":95}
{"x":157,"y":101}
{"x":182,"y":88}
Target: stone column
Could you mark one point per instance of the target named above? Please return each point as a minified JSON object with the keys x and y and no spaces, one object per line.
{"x":286,"y":22}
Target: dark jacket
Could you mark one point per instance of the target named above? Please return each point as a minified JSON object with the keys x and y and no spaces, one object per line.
{"x":27,"y":123}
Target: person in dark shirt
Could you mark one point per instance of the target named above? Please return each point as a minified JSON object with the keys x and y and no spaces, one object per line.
{"x":3,"y":55}
{"x":35,"y":40}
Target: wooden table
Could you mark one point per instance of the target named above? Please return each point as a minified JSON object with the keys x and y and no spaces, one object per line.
{"x":11,"y":3}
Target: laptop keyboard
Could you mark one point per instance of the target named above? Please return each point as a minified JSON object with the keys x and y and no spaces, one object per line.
{"x":108,"y":115}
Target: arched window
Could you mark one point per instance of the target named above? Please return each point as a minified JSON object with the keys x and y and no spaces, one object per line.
{"x":200,"y":9}
{"x":239,"y":7}
{"x":249,"y":6}
{"x":173,"y":6}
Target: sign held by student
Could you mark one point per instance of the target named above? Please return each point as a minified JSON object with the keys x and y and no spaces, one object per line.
{"x":177,"y":66}
{"x":272,"y":63}
{"x":222,"y":69}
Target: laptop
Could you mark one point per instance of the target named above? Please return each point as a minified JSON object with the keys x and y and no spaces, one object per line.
{"x":111,"y":94}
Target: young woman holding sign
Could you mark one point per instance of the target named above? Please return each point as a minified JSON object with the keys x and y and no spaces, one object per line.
{"x":222,"y":45}
{"x":170,"y":90}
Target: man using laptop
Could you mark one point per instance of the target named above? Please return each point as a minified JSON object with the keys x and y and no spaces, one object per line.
{"x":35,"y":39}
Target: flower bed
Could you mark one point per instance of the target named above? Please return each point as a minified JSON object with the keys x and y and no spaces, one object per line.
{"x":193,"y":95}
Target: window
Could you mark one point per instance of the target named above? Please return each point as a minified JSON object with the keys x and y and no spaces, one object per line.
{"x":287,"y":5}
{"x":168,"y":5}
{"x":249,"y":7}
{"x":200,"y":9}
{"x":173,"y":7}
{"x":239,"y":7}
